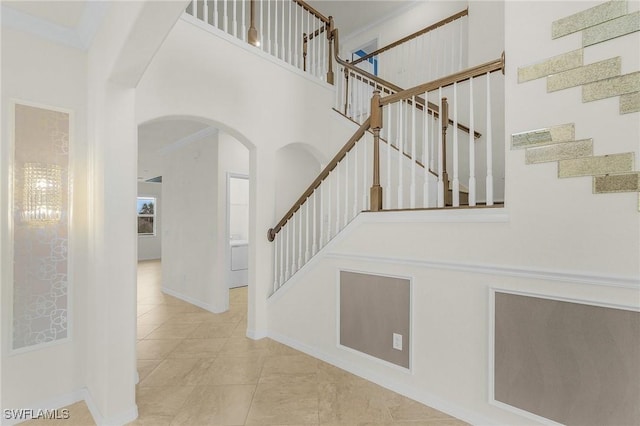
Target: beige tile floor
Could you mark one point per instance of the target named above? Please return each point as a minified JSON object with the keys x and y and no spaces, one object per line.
{"x":197,"y":368}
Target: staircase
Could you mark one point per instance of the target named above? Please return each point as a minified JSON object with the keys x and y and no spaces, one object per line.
{"x":426,"y":147}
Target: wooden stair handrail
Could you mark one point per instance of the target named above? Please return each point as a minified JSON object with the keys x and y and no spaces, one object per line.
{"x":313,"y":11}
{"x":418,"y":33}
{"x":271,"y":233}
{"x":464,"y":75}
{"x":384,"y":83}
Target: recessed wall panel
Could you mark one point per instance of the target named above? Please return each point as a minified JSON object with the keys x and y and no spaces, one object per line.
{"x":573,"y":363}
{"x":372,"y":309}
{"x":40,"y":226}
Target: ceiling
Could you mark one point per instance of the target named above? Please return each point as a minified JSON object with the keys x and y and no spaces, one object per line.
{"x":52,"y":11}
{"x":352,"y":15}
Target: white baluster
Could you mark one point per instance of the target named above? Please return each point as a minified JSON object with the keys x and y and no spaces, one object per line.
{"x":325,"y":41}
{"x":454,"y":129}
{"x":440,"y":153}
{"x":215,"y":14}
{"x":355,"y":178}
{"x":400,"y":144}
{"x":346,"y":187}
{"x":489,"y":145}
{"x":412,"y":195}
{"x":282,"y":257}
{"x":205,"y":11}
{"x":294,"y":265}
{"x":434,"y":138}
{"x":365,"y":176}
{"x":276,"y":52}
{"x":296,"y":60}
{"x":276,"y":243}
{"x":225,"y":23}
{"x":289,"y":52}
{"x":194,"y":7}
{"x":321,"y":242}
{"x":268,"y":26}
{"x":337,"y":199}
{"x":387,"y":196}
{"x":287,"y":272}
{"x":314,"y":248}
{"x":283,"y":44}
{"x":244,"y":20}
{"x":319,"y":51}
{"x":309,"y":56}
{"x":235,"y":18}
{"x":301,"y":221}
{"x":329,"y":211}
{"x":262,"y":43}
{"x":472,"y":148}
{"x":425,"y":152}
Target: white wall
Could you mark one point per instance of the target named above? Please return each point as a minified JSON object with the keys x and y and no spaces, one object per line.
{"x":297,"y":168}
{"x":554,"y":238}
{"x":190,"y":214}
{"x":150,"y":246}
{"x":238,"y":95}
{"x":50,"y":75}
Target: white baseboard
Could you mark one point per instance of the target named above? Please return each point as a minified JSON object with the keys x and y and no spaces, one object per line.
{"x":412,"y":392}
{"x":193,"y":301}
{"x":54,"y":403}
{"x":257,"y":334}
{"x":82,"y":394}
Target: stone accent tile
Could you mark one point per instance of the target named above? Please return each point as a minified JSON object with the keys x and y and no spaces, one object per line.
{"x":630,"y":102}
{"x":611,"y":29}
{"x":591,"y":166}
{"x":585,"y":74}
{"x":588,"y":18}
{"x":628,"y":182}
{"x":554,"y":65}
{"x":560,"y":151}
{"x":560,"y":133}
{"x":614,"y":86}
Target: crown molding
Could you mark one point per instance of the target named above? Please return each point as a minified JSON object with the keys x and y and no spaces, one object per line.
{"x":80,"y":37}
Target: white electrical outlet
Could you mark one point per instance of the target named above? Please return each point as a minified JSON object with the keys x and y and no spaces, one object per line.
{"x":397,"y":341}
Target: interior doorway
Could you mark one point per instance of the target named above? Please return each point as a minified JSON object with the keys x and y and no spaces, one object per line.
{"x":237,"y":230}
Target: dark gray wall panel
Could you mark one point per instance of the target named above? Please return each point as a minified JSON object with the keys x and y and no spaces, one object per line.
{"x":372,"y":308}
{"x":572,"y":363}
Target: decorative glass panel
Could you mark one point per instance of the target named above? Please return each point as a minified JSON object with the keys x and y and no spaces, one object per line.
{"x":40,"y":218}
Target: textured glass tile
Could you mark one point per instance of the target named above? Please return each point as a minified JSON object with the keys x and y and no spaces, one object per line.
{"x":591,"y":166}
{"x":614,"y":86}
{"x":628,"y":182}
{"x":559,"y":151}
{"x":608,"y":30}
{"x":588,"y":18}
{"x":557,"y":64}
{"x":586,"y":74}
{"x":630,"y":103}
{"x":561,"y":133}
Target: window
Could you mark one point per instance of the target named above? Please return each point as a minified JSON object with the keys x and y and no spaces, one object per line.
{"x":146,"y":216}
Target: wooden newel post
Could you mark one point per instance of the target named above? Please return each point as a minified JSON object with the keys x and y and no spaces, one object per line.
{"x":376,"y":125}
{"x":252,"y":35}
{"x":304,"y":51}
{"x":444,"y":111}
{"x":329,"y":30}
